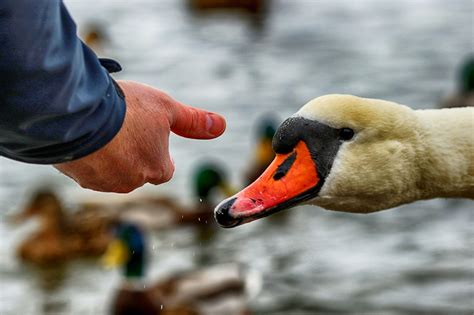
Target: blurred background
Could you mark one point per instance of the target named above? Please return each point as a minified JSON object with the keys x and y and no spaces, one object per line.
{"x":256,"y":64}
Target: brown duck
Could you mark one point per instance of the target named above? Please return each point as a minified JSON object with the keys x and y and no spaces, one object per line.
{"x":62,"y":236}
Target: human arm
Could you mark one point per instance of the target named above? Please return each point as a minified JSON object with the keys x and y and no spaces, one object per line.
{"x":57,"y":103}
{"x":59,"y":106}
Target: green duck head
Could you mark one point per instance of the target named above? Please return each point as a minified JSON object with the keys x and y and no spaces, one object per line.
{"x":466,"y":76}
{"x":207,"y":178}
{"x":128,"y":251}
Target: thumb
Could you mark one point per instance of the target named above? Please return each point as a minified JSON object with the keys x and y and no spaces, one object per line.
{"x":192,"y":122}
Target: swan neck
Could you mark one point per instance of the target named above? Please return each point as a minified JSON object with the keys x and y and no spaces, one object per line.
{"x":446,"y":159}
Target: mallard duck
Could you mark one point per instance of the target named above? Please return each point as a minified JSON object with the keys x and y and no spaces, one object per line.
{"x":61,"y":237}
{"x":465,"y":94}
{"x":216,"y":290}
{"x":353,"y":154}
{"x":264,"y":154}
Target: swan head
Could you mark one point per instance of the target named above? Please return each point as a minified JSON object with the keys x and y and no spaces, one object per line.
{"x":339,"y":152}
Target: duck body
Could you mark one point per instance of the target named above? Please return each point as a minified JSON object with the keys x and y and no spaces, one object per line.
{"x":352,"y":154}
{"x":50,"y":248}
{"x":43,"y":249}
{"x":219,"y":290}
{"x":62,"y":237}
{"x":134,"y":301}
{"x":158,"y":213}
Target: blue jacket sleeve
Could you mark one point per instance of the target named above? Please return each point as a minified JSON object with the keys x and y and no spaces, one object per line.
{"x":57,"y":102}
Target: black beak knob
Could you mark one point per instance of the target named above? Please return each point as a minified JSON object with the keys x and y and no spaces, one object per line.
{"x":222,"y":214}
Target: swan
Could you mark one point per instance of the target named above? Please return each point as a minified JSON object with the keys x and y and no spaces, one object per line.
{"x":353,"y":154}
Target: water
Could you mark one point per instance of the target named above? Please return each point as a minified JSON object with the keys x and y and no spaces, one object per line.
{"x":417,"y":259}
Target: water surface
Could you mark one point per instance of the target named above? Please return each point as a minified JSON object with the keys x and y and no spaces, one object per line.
{"x":417,"y":259}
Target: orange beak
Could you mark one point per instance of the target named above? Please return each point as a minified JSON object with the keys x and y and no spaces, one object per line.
{"x":290,"y":179}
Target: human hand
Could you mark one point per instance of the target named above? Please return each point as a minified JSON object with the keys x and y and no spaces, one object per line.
{"x":139,"y":154}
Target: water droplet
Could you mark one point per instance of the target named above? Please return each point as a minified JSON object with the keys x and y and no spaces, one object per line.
{"x":161,"y":306}
{"x":200,"y":199}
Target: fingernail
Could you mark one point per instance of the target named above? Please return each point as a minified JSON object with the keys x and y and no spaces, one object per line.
{"x":213,"y":124}
{"x":209,"y":122}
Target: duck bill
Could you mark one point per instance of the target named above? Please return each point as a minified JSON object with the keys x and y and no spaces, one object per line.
{"x":290,"y":179}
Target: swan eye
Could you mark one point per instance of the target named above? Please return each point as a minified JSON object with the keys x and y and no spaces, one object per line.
{"x":346,"y":134}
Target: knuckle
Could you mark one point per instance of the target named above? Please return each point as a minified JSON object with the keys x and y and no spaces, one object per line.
{"x":162,"y":176}
{"x":168,"y":175}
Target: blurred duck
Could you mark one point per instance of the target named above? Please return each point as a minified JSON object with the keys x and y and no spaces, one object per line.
{"x":264,"y":154}
{"x":465,"y":94}
{"x":353,"y":154}
{"x":165,"y":212}
{"x":217,"y":290}
{"x":95,"y":37}
{"x":249,"y":5}
{"x":61,"y":237}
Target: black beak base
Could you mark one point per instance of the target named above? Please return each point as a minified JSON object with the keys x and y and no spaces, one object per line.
{"x":222,"y":214}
